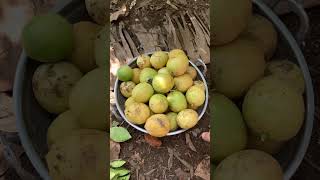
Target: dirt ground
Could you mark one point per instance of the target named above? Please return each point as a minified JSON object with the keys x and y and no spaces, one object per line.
{"x":174,"y":159}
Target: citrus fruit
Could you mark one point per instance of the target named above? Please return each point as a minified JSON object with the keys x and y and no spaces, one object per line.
{"x":48,"y":38}
{"x":162,"y":83}
{"x":126,"y":88}
{"x":142,"y":92}
{"x":183,"y":83}
{"x":187,"y":118}
{"x":157,"y":125}
{"x":137,"y":113}
{"x":143,"y":61}
{"x":177,"y":101}
{"x":158,"y":103}
{"x":147,"y":74}
{"x":125,"y":73}
{"x":159,"y":59}
{"x":173,"y":120}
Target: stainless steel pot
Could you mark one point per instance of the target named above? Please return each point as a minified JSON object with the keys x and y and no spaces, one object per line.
{"x":293,"y":152}
{"x":120,"y":99}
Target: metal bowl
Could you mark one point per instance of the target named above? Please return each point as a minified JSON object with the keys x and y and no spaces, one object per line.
{"x":32,"y":120}
{"x":120,"y":99}
{"x":293,"y":152}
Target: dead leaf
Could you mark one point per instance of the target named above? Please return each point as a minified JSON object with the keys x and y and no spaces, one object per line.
{"x":189,"y":143}
{"x":181,"y":174}
{"x":131,"y":43}
{"x":3,"y":163}
{"x":203,"y":169}
{"x":143,"y":3}
{"x":114,"y":16}
{"x":114,"y":66}
{"x":114,"y":150}
{"x":172,"y":5}
{"x":172,"y":38}
{"x":200,"y":40}
{"x":7,"y":117}
{"x":187,"y":38}
{"x":148,"y":40}
{"x":152,"y":141}
{"x":170,"y":160}
{"x":184,"y":2}
{"x":195,"y":132}
{"x":124,"y":42}
{"x":185,"y":163}
{"x":8,"y":59}
{"x":133,"y":3}
{"x":14,"y":16}
{"x":149,"y":172}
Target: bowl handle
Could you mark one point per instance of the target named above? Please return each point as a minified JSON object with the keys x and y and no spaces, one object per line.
{"x":199,"y":62}
{"x":296,"y":6}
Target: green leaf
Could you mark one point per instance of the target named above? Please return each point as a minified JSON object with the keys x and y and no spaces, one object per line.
{"x":127,"y":177}
{"x":117,"y":163}
{"x":113,"y":174}
{"x":120,"y":171}
{"x":119,"y":134}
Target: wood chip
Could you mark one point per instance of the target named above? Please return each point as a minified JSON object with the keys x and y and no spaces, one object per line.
{"x":7,"y":117}
{"x":172,"y":5}
{"x":170,"y":160}
{"x":189,"y":143}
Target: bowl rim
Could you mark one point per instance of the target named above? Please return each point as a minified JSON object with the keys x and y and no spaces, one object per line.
{"x":309,"y":92}
{"x":19,"y":79}
{"x":117,"y":84}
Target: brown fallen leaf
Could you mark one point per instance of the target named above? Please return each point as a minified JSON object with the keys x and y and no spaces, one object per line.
{"x":200,"y":39}
{"x":114,"y":150}
{"x":172,"y":37}
{"x":181,"y":174}
{"x":114,"y":16}
{"x":7,"y":117}
{"x":187,"y":37}
{"x":148,"y":39}
{"x":172,"y":5}
{"x":203,"y":169}
{"x":14,"y":15}
{"x":5,"y":65}
{"x":152,"y":141}
{"x":184,"y":162}
{"x":189,"y":143}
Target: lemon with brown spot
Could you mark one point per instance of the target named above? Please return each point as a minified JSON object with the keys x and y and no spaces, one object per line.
{"x":137,"y":113}
{"x":158,"y":125}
